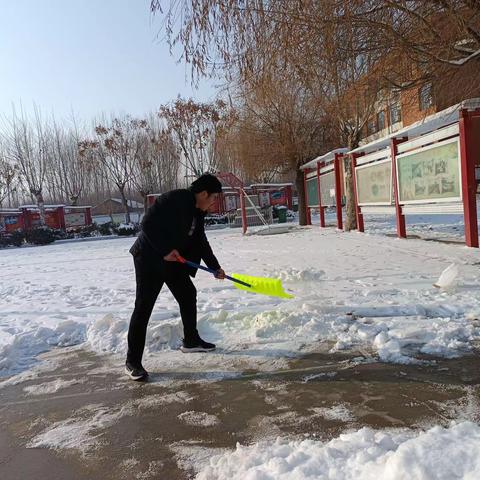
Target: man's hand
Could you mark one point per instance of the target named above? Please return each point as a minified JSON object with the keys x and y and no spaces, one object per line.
{"x":172,"y":256}
{"x":220,"y":274}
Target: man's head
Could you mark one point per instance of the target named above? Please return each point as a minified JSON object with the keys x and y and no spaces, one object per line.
{"x":206,"y":189}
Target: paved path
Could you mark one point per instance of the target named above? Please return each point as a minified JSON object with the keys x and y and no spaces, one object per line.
{"x":110,"y":428}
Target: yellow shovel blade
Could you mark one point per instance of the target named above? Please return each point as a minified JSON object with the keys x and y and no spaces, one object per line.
{"x":265,"y":286}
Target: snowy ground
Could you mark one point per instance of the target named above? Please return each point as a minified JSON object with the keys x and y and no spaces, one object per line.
{"x":362,"y":292}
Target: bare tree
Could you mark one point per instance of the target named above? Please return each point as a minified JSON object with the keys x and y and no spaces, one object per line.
{"x":8,"y":177}
{"x":157,"y":165}
{"x":28,"y":148}
{"x":196,"y":128}
{"x":69,"y":169}
{"x":310,"y":43}
{"x":117,"y":148}
{"x":284,"y":126}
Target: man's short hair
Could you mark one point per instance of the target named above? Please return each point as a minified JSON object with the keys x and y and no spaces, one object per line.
{"x":207,"y":182}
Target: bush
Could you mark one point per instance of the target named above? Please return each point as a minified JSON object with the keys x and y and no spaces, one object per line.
{"x":126,"y":229}
{"x":17,"y":238}
{"x":14,"y":239}
{"x":40,"y":236}
{"x":87,"y":231}
{"x":106,"y":228}
{"x":60,"y":234}
{"x":216,"y":219}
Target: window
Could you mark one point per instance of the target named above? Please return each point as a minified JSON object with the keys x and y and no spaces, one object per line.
{"x":371,"y":127}
{"x":395,"y":113}
{"x":425,"y":96}
{"x":381,"y":120}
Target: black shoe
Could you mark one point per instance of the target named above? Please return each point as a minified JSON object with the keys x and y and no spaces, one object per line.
{"x":198,"y":345}
{"x":135,"y":371}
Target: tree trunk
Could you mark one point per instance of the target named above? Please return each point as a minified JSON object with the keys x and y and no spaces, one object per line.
{"x":41,"y":205}
{"x":125,"y":205}
{"x":145,"y":202}
{"x":302,"y":217}
{"x":73,"y":200}
{"x":350,"y":214}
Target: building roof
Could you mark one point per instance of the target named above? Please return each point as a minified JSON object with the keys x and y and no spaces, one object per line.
{"x":130,"y":203}
{"x":271,"y":185}
{"x":428,"y":124}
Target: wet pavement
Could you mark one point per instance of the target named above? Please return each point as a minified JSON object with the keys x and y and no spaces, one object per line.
{"x":100,"y":425}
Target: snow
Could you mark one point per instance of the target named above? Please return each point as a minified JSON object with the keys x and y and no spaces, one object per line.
{"x":350,"y":290}
{"x":201,"y":419}
{"x":84,"y":430}
{"x":438,"y":453}
{"x":51,"y":387}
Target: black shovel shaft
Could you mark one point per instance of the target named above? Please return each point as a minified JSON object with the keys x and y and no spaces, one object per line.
{"x":211,"y":270}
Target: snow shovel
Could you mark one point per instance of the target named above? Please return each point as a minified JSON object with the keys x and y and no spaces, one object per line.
{"x":265,"y":286}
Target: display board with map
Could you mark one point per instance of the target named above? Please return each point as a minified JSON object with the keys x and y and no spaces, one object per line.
{"x":312,"y":192}
{"x":374,"y":183}
{"x":327,"y":189}
{"x":431,"y":174}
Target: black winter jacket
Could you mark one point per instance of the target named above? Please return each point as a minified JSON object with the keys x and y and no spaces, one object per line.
{"x":173,"y":222}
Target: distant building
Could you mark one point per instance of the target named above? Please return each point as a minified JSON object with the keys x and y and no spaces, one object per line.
{"x":112,"y":209}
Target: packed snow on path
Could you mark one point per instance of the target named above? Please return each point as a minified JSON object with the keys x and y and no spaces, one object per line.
{"x":83,"y":293}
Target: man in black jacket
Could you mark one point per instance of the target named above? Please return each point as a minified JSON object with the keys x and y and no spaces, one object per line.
{"x":173,"y":226}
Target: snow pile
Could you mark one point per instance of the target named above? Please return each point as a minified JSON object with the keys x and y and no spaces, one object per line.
{"x":293,"y":275}
{"x":18,"y":347}
{"x":399,"y":339}
{"x":437,"y":454}
{"x":109,"y":334}
{"x":448,"y":278}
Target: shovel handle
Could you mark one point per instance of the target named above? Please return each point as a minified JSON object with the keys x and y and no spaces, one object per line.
{"x":210,"y":270}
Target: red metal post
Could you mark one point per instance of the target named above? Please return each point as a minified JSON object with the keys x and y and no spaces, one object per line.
{"x":27,"y":221}
{"x":358,"y":212}
{"x":338,"y":190}
{"x":307,"y":208}
{"x":469,"y":129}
{"x":401,"y":227}
{"x":289,"y":197}
{"x":244,"y":212}
{"x":320,"y":208}
{"x":88,"y":215}
{"x":61,"y":218}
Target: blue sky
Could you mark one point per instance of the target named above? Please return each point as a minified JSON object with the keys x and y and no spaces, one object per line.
{"x":91,"y":56}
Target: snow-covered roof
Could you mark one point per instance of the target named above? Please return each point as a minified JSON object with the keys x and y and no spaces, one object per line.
{"x":36,"y":206}
{"x":9,"y":210}
{"x":79,"y":207}
{"x":325,"y":158}
{"x":426,"y":125}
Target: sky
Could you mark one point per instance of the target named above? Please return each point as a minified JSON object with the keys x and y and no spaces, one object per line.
{"x":89,"y":57}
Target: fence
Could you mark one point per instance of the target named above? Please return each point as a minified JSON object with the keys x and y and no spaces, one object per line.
{"x":430,"y":167}
{"x":61,"y":217}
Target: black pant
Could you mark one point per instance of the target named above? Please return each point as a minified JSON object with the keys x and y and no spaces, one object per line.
{"x":151,"y":276}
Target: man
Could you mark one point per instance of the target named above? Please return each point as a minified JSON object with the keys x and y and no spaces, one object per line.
{"x":172,"y":227}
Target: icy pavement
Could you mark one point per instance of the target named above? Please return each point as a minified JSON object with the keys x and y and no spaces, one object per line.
{"x":326,"y":416}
